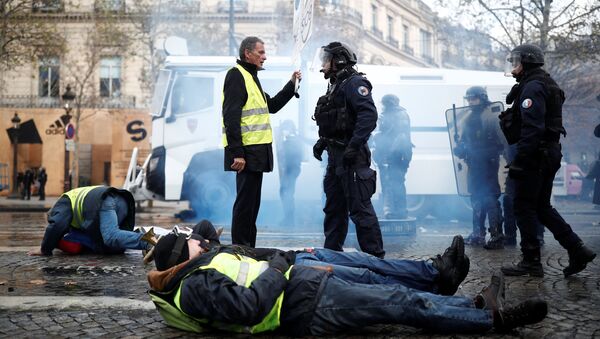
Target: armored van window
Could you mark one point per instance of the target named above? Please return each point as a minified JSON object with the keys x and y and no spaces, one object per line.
{"x":161,"y":89}
{"x":192,"y":94}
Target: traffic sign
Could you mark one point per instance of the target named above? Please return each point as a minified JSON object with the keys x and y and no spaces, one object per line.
{"x":69,"y":131}
{"x":302,"y":27}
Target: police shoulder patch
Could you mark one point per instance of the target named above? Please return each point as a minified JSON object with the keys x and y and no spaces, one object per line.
{"x":363,"y":90}
{"x":527,"y":103}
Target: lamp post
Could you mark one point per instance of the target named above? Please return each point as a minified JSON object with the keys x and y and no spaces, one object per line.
{"x":16,"y":123}
{"x":68,"y":98}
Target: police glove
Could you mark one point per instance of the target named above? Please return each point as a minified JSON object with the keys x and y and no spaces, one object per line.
{"x":279,"y":262}
{"x":350,"y":155}
{"x":318,"y":149}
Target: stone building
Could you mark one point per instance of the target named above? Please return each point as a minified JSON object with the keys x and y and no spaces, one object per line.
{"x":112,"y":51}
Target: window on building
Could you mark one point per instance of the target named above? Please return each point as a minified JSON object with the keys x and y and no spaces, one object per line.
{"x":192,"y":94}
{"x":374,"y":16}
{"x":390,"y":24}
{"x":426,"y":44}
{"x":110,"y":76}
{"x":46,"y":5}
{"x":110,"y":5}
{"x":49,"y":77}
{"x":405,"y":36}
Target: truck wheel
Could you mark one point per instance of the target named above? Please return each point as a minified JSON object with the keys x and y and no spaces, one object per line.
{"x":417,"y":206}
{"x":211,"y":196}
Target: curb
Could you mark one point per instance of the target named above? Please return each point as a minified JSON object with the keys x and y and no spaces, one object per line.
{"x":43,"y":303}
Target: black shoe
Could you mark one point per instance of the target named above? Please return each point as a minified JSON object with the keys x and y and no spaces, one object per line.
{"x":495,"y":243}
{"x":530,"y":268}
{"x":453,"y":266}
{"x":578,"y":260}
{"x":528,"y":312}
{"x":492,"y":296}
{"x":510,"y":241}
{"x":475,"y":240}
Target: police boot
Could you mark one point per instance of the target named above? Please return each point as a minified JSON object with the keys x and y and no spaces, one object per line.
{"x":496,"y":241}
{"x":526,"y":313}
{"x":579,"y":257}
{"x":530,"y":265}
{"x":453,"y":267}
{"x":492,"y":296}
{"x":475,"y":239}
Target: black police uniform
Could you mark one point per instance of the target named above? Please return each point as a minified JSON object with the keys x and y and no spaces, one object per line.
{"x":392,"y":152}
{"x":346,"y":116}
{"x":538,"y":100}
{"x":481,"y":145}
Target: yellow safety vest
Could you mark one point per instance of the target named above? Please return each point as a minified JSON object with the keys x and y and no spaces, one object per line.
{"x":255,"y":122}
{"x":77,"y":196}
{"x":241,"y":269}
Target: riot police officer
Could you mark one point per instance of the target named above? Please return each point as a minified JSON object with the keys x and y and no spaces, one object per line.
{"x":346,"y":116}
{"x":392,"y":152}
{"x":480,"y":146}
{"x":534,"y":124}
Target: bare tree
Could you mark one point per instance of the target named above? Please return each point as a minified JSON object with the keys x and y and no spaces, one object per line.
{"x":24,"y":35}
{"x":155,"y":20}
{"x":569,"y":33}
{"x":106,"y":37}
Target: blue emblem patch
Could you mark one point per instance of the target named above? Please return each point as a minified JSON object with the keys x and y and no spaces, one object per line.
{"x":527,"y":103}
{"x":362,"y":90}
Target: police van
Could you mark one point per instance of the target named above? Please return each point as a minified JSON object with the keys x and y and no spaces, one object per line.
{"x":186,"y":162}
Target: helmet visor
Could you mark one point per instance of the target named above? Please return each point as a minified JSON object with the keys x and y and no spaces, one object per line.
{"x":324,"y":57}
{"x":513,"y":60}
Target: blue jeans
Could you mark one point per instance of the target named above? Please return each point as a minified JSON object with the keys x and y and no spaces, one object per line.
{"x":345,"y":305}
{"x":112,"y":212}
{"x":359,"y":267}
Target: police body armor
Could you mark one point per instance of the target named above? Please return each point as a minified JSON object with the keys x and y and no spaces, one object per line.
{"x":335,"y":122}
{"x":510,"y":120}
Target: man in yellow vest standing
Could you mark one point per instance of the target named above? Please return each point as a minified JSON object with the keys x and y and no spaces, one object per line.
{"x":247,"y":134}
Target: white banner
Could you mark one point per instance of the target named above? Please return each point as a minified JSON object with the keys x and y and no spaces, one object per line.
{"x":303,"y":22}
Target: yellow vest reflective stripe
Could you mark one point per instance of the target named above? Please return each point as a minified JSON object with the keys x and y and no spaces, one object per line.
{"x":243,"y":270}
{"x":255,"y":122}
{"x":77,"y":196}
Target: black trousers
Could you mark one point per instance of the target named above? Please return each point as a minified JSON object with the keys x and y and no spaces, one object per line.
{"x":349,"y":192}
{"x":532,"y":203}
{"x":245,"y":208}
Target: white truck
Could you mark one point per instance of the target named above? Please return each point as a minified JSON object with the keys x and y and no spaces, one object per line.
{"x":186,"y":162}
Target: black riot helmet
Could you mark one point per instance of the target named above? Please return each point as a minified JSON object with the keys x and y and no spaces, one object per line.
{"x":390,"y":101}
{"x":477,"y":92}
{"x":340,"y":54}
{"x":529,"y":56}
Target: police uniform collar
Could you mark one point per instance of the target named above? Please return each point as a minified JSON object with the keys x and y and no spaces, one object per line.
{"x":251,"y":68}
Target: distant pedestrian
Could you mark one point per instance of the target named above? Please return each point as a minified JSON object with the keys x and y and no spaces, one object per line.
{"x":27,"y":182}
{"x":594,"y":174}
{"x":42,"y":179}
{"x":289,"y":161}
{"x":392,"y":152}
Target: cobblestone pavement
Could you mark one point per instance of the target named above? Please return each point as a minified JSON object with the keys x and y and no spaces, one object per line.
{"x":574,"y":302}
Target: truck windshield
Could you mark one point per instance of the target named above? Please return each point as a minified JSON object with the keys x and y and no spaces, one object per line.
{"x":160,"y":93}
{"x":192,"y":94}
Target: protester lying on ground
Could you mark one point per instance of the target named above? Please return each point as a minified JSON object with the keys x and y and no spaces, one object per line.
{"x":199,"y":287}
{"x":442,"y":275}
{"x":97,"y":219}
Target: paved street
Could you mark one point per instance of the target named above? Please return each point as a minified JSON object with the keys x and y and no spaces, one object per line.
{"x":74,"y":296}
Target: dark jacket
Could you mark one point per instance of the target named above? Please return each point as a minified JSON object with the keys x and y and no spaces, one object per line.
{"x":539,"y":102}
{"x":259,"y":158}
{"x":208,"y":294}
{"x":91,"y":218}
